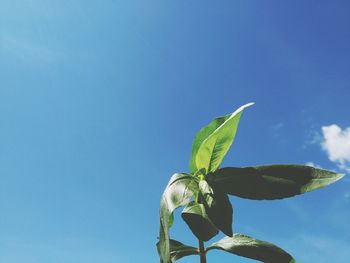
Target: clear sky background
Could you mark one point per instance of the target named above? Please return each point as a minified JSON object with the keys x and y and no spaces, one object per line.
{"x":100,"y":101}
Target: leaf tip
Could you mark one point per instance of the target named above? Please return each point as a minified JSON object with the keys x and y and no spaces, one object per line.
{"x":339,"y":176}
{"x":245,"y":106}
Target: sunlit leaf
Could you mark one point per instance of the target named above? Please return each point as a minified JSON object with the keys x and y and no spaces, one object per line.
{"x":179,"y":250}
{"x":249,"y":247}
{"x":212,"y":142}
{"x":179,"y":192}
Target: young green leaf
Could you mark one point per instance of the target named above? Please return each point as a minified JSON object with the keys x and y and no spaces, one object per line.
{"x":179,"y":192}
{"x":217,"y":206}
{"x":213,"y":141}
{"x":249,"y":247}
{"x":272,"y":181}
{"x":179,"y":250}
{"x":197,"y":219}
{"x":201,"y":136}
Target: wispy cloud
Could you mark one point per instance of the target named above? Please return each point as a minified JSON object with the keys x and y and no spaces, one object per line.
{"x":347,"y":197}
{"x":298,"y":211}
{"x":276,"y":130}
{"x":277,"y":126}
{"x":321,"y":249}
{"x":336,"y":142}
{"x":313,"y":136}
{"x":28,"y":50}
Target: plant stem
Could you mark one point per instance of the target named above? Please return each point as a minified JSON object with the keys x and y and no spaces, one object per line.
{"x":202,"y":252}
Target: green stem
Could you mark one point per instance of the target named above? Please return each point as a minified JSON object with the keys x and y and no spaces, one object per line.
{"x":202,"y":252}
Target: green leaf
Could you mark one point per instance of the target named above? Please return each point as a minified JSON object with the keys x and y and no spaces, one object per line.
{"x":212,"y":142}
{"x":179,"y":250}
{"x":217,"y":206}
{"x":201,"y":136}
{"x":272,"y":181}
{"x":179,"y":192}
{"x":249,"y":247}
{"x":197,"y":219}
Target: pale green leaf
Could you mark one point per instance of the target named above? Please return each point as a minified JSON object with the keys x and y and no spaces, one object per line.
{"x":213,"y":141}
{"x":201,"y":136}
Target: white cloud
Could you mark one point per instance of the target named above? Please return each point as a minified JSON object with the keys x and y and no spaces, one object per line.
{"x":336,"y":142}
{"x":313,"y":165}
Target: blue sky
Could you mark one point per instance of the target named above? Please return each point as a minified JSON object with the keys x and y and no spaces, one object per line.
{"x":100,"y":101}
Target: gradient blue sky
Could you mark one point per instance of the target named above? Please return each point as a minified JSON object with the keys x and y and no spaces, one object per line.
{"x":100,"y":101}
